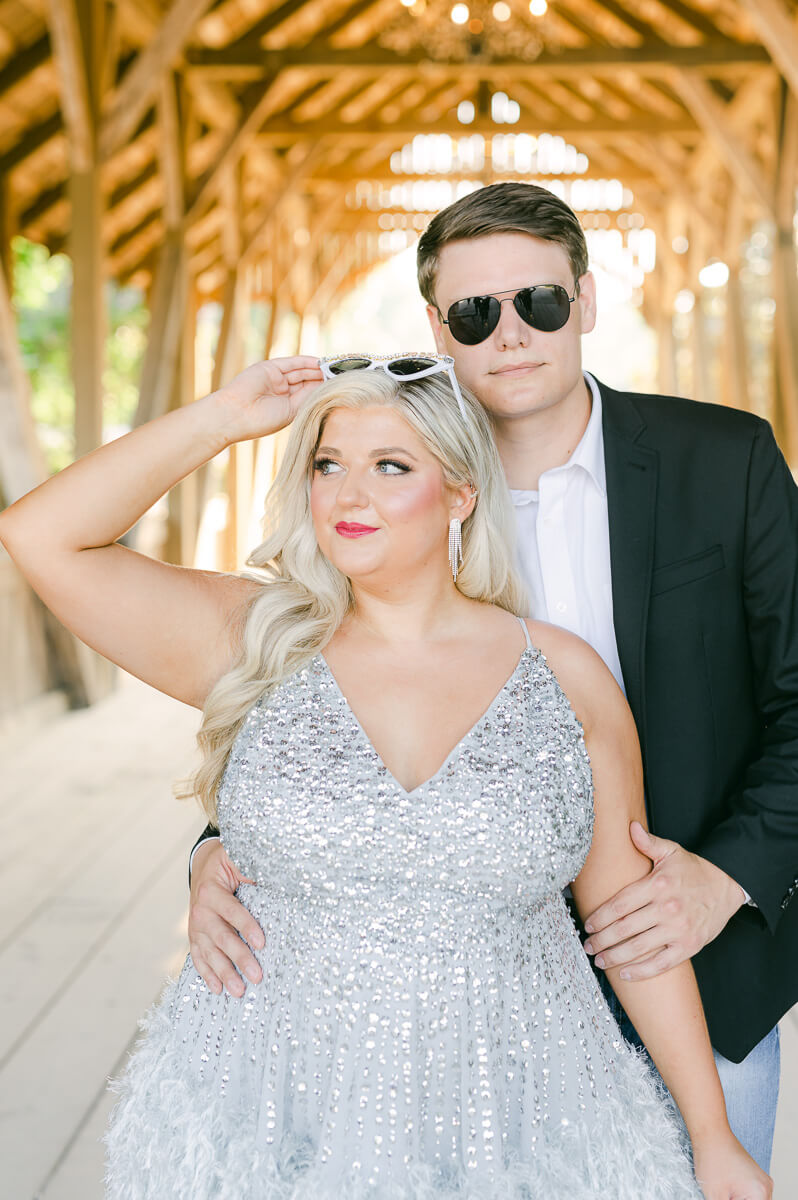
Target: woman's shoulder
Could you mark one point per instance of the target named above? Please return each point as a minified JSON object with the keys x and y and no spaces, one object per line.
{"x":582,"y":674}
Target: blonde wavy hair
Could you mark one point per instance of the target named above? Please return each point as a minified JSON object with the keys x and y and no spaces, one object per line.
{"x":304,"y":598}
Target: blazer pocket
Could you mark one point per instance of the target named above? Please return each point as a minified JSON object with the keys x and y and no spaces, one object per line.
{"x":687,"y":570}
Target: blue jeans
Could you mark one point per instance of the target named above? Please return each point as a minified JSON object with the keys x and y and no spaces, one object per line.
{"x":751,"y":1088}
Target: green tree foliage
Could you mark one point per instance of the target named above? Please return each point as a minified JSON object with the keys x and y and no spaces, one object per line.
{"x":42,"y":296}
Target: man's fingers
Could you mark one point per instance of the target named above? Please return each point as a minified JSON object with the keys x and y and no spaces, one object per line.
{"x":658,"y":964}
{"x":635,"y":949}
{"x":641,"y":920}
{"x":216,"y":903}
{"x":209,"y":977}
{"x":636,"y":895}
{"x":224,"y":970}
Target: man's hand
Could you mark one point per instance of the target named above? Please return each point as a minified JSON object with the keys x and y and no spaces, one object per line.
{"x":216,"y":918}
{"x":665,"y":918}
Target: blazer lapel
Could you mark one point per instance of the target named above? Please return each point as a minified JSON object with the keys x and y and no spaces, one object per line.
{"x":631,"y":496}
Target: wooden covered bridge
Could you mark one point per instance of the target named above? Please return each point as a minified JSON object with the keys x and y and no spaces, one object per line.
{"x":262,"y":151}
{"x":266,"y":155}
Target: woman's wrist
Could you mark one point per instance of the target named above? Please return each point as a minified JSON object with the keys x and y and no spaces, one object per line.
{"x":215,"y":421}
{"x":708,"y":1135}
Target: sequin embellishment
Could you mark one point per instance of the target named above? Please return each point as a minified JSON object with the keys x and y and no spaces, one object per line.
{"x":428,"y":1024}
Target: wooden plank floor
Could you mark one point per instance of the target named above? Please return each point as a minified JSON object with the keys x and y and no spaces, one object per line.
{"x":93,"y":905}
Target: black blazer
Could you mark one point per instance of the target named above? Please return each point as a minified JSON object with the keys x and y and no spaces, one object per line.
{"x":703,"y":519}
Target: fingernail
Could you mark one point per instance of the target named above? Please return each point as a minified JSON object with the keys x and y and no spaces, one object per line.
{"x":625,"y":975}
{"x":590,"y":928}
{"x":599,"y":960}
{"x":259,"y":941}
{"x":588,"y":948}
{"x":253,"y":974}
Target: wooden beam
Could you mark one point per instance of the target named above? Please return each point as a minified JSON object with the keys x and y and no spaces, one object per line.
{"x":138,"y":89}
{"x":23,"y":62}
{"x":22,"y":464}
{"x":712,"y":115}
{"x":785,"y":279}
{"x":167,"y":311}
{"x":775,"y":23}
{"x":70,"y":55}
{"x":171,"y":150}
{"x":735,"y":364}
{"x":22,"y":467}
{"x":295,"y":174}
{"x":32,"y":140}
{"x":256,"y":101}
{"x":283,"y":131}
{"x":88,"y":308}
{"x":713,"y":54}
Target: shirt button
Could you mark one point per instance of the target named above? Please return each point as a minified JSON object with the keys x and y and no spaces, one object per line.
{"x":561,"y":606}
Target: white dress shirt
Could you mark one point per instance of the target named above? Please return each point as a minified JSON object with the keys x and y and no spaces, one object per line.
{"x":564,"y":543}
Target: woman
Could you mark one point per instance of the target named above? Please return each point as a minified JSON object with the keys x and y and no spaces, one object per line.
{"x":399,"y":764}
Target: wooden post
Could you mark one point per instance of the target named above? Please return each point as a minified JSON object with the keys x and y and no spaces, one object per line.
{"x":785,"y":281}
{"x":702,"y":385}
{"x":22,"y":467}
{"x":734,"y":372}
{"x":77,"y":35}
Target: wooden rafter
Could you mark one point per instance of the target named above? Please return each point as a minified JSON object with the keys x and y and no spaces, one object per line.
{"x":139,"y":87}
{"x":645,"y":57}
{"x":711,"y":113}
{"x":776,"y":25}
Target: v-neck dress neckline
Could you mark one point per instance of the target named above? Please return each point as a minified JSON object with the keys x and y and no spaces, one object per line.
{"x":455,"y":750}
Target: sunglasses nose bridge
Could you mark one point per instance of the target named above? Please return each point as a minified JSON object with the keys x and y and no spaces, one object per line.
{"x":510,"y":326}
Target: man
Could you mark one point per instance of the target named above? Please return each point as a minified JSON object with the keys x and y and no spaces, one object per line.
{"x":665,"y":533}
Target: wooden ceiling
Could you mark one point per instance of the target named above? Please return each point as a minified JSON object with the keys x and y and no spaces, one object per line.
{"x":266,"y":115}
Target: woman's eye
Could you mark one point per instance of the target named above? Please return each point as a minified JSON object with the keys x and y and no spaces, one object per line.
{"x":387,"y":466}
{"x":325,"y":466}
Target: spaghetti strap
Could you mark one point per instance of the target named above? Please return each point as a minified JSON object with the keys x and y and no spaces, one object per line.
{"x":526,"y":633}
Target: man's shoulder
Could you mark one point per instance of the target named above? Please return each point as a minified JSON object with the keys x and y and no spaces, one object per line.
{"x":678,"y":415}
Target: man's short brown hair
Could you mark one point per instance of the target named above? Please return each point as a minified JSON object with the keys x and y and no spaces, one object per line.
{"x":501,"y":208}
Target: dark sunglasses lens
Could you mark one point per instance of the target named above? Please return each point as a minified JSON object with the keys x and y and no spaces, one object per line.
{"x":472,"y":320}
{"x":349,"y":364}
{"x":410,"y":366}
{"x":546,"y":308}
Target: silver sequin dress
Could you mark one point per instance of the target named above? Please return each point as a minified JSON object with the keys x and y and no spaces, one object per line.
{"x":428,"y":1025}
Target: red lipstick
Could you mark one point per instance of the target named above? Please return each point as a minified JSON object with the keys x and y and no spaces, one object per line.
{"x":351,"y":529}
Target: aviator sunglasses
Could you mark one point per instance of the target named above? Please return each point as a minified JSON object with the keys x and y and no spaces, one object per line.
{"x":545,"y":306}
{"x":399,"y":366}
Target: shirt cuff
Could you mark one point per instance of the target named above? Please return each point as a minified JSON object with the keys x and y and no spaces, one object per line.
{"x":213,"y":838}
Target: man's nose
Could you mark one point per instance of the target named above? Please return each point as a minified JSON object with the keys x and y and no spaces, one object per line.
{"x":511,"y":330}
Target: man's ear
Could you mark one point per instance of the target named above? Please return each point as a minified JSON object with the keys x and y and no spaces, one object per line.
{"x":433,"y":316}
{"x":587,"y":302}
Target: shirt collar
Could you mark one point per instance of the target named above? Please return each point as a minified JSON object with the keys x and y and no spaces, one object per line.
{"x":589,"y":453}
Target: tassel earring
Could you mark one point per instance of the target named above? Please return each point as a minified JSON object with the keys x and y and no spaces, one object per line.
{"x":455,"y":546}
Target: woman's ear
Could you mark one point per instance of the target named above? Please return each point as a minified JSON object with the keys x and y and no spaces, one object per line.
{"x":463,"y":500}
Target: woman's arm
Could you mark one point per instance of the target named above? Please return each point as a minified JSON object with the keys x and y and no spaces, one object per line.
{"x":666,"y":1011}
{"x":173,"y":627}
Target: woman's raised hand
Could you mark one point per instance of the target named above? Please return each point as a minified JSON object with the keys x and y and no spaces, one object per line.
{"x":266,"y":396}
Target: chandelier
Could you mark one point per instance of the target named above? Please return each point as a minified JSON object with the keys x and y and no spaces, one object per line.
{"x":470,"y":30}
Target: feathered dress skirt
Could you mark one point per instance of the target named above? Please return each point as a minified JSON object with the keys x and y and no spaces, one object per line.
{"x":475,"y":1063}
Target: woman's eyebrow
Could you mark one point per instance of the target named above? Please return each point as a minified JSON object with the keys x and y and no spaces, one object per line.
{"x":393,"y":450}
{"x":374,"y":453}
